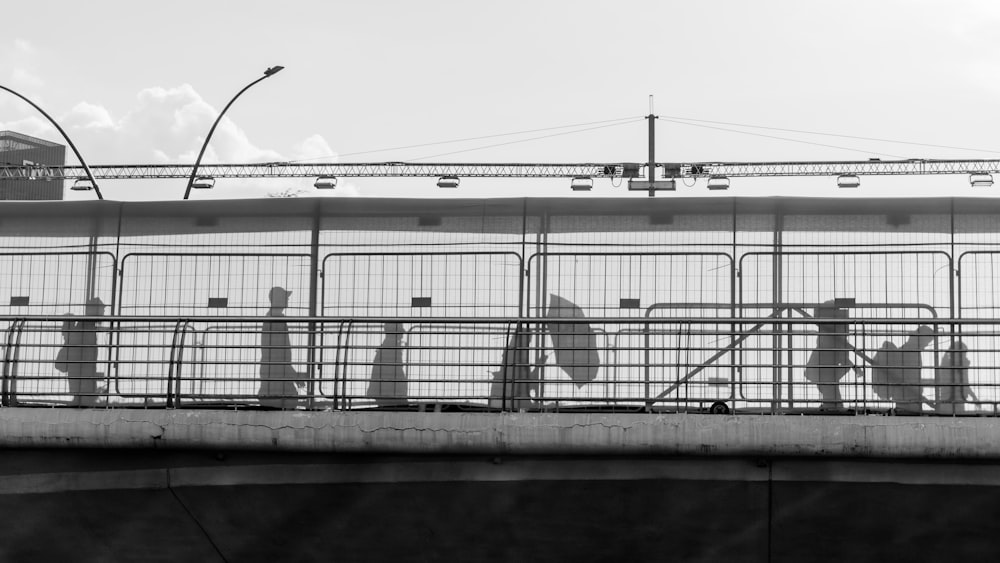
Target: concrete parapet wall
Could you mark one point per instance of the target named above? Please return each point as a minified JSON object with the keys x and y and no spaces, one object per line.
{"x":508,"y":433}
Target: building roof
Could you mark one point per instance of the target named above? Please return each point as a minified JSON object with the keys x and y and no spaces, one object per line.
{"x":12,"y":141}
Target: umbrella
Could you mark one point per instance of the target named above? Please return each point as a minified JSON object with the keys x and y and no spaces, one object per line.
{"x":575,"y":343}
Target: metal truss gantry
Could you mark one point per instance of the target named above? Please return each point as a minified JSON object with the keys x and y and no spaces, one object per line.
{"x":505,"y":170}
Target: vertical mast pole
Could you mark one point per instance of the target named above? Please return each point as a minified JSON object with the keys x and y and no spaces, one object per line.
{"x":651,"y":166}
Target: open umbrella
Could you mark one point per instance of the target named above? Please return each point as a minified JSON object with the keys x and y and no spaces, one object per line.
{"x":575,"y":343}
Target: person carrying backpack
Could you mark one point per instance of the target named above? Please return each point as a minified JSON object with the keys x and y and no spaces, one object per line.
{"x":896,"y":371}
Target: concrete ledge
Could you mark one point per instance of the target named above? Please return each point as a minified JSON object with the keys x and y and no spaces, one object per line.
{"x":428,"y":469}
{"x":510,"y":433}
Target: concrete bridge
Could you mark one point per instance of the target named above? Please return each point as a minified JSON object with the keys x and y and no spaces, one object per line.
{"x":573,"y":347}
{"x":213,"y":485}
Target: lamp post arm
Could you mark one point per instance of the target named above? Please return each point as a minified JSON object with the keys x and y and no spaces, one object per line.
{"x":69,"y":141}
{"x":201,"y":153}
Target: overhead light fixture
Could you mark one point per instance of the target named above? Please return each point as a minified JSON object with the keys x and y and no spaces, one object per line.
{"x":848,"y":181}
{"x":325,"y":183}
{"x":980,"y":180}
{"x":582,"y":184}
{"x":82,"y":185}
{"x":203,"y":183}
{"x":718,"y":182}
{"x":657,"y":185}
{"x":448,"y":182}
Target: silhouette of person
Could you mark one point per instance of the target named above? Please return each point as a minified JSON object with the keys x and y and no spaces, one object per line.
{"x":911,"y":398}
{"x":388,"y":381}
{"x":951,"y":380}
{"x":279,"y":382}
{"x":62,"y":357}
{"x":830,"y":362}
{"x":81,"y":355}
{"x":514,"y":382}
{"x":896,"y":374}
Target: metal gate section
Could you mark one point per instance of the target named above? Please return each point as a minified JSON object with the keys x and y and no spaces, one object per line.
{"x":422,"y":284}
{"x":52,"y":283}
{"x":204,"y":284}
{"x":407,"y":285}
{"x":865,"y":286}
{"x":979,"y":298}
{"x":633,"y":362}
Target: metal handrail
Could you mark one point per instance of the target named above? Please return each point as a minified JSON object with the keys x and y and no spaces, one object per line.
{"x":9,"y":367}
{"x":173,"y":396}
{"x":463,"y":379}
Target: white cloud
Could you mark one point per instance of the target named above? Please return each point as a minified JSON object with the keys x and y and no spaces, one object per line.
{"x":169,"y":125}
{"x":173,"y":123}
{"x":314,"y":147}
{"x":35,"y":126}
{"x":89,"y":116}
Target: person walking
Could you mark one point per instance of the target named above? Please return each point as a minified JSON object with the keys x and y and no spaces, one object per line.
{"x":388,"y":381}
{"x":279,"y":381}
{"x":830,"y":360}
{"x":81,"y":355}
{"x":951,"y":381}
{"x":896,"y":373}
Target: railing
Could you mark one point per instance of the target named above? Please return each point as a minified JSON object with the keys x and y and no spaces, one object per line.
{"x":774,"y":364}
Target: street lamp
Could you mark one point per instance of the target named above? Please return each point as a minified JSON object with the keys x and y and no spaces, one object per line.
{"x":86,"y":168}
{"x":194,"y":171}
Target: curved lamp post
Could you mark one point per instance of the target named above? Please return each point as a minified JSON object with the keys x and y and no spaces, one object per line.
{"x":194,"y":171}
{"x":86,"y":168}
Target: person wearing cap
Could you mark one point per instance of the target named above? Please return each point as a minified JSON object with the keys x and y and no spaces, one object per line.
{"x":81,"y":354}
{"x":279,"y":382}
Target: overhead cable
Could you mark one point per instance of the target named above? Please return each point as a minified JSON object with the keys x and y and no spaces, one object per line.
{"x":634,"y":120}
{"x":525,"y":132}
{"x":852,"y":149}
{"x":860,"y":138}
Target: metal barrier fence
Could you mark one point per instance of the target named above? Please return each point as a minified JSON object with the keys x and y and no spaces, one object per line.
{"x":793,"y":360}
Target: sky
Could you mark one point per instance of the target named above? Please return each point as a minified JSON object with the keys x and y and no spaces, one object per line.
{"x":137,"y":83}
